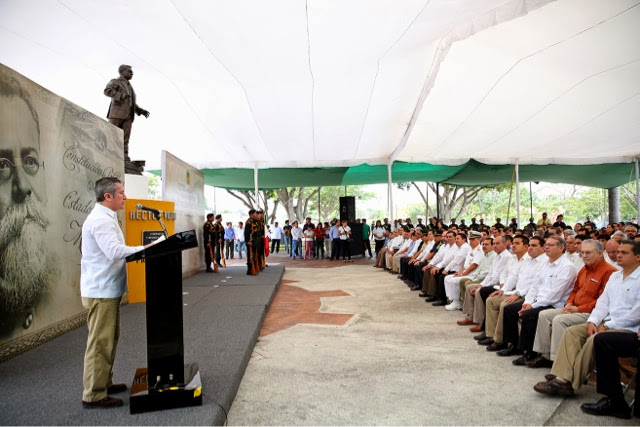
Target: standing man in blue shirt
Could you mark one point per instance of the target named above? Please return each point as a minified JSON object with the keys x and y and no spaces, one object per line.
{"x":335,"y":240}
{"x":103,"y":281}
{"x":229,"y":237}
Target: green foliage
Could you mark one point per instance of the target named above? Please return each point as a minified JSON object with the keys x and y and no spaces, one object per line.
{"x":154,"y":187}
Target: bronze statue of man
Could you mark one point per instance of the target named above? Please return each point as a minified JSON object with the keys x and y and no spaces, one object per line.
{"x":123,"y":104}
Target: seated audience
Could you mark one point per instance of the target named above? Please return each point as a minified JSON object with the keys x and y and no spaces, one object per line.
{"x":617,"y":309}
{"x":557,"y":277}
{"x":589,"y":285}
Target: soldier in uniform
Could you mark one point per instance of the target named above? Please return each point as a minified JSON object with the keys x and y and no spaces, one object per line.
{"x":218,"y":238}
{"x":207,"y":238}
{"x":250,"y":228}
{"x":261,"y":235}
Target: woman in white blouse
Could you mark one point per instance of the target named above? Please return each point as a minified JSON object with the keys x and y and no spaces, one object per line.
{"x":378,"y":235}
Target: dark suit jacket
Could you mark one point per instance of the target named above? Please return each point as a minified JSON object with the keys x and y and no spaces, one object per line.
{"x":123,"y":99}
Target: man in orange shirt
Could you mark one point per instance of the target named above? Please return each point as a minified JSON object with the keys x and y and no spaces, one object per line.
{"x":590,"y":283}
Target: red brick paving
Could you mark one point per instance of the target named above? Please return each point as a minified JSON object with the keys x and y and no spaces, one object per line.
{"x":292,"y":306}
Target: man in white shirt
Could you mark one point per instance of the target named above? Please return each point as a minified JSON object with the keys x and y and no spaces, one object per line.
{"x":414,"y":270}
{"x":103,"y":281}
{"x":380,"y":256}
{"x":477,"y":275}
{"x":611,"y":253}
{"x":276,"y":235}
{"x":460,"y":251}
{"x":392,"y":256}
{"x":422,"y":243}
{"x":296,"y":240}
{"x":527,"y":276}
{"x":572,"y":254}
{"x":500,"y":245}
{"x":240,"y":243}
{"x":617,"y":309}
{"x":471,"y":263}
{"x":408,"y":251}
{"x":557,"y":277}
{"x":437,"y":264}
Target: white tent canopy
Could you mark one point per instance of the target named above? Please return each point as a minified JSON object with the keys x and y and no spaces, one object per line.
{"x":290,"y":83}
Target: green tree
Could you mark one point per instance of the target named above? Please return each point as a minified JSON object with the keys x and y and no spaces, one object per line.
{"x":154,"y":187}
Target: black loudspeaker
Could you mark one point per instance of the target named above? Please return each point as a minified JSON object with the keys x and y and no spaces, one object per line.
{"x":348,"y":209}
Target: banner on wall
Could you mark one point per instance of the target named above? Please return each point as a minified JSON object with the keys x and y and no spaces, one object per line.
{"x":51,"y":154}
{"x":184,"y":184}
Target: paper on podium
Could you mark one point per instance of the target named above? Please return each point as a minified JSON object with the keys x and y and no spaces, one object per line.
{"x":158,"y":240}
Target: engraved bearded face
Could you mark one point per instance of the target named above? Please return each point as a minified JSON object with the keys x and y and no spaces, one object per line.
{"x":25,"y":263}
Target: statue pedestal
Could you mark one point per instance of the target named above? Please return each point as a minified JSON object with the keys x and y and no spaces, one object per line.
{"x":134,"y":168}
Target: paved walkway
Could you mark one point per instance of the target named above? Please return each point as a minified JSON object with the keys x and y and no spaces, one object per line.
{"x":348,"y":344}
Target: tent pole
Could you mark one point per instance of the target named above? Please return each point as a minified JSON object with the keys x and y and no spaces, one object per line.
{"x":517,"y":195}
{"x":215,"y":207}
{"x":426,"y":207}
{"x":255,"y":185}
{"x":390,"y":193}
{"x":319,"y":217}
{"x":637,"y":190}
{"x":437,"y":200}
{"x":530,"y":201}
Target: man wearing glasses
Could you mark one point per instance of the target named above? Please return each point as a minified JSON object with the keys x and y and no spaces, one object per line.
{"x":26,"y":264}
{"x":555,"y":282}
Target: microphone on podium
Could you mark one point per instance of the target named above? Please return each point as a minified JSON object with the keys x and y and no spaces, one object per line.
{"x":155,"y":212}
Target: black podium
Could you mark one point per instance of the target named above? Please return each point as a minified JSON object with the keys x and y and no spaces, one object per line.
{"x":166,"y":382}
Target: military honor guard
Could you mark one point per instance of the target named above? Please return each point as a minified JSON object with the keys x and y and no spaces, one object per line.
{"x":207,"y":238}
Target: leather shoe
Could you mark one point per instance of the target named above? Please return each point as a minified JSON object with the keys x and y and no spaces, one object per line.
{"x":416,"y":287}
{"x":439,"y":303}
{"x":116,"y":388}
{"x":539,"y":362}
{"x":466,"y":321}
{"x":520,"y":361}
{"x":497,"y":346}
{"x":430,"y":299}
{"x":477,"y":328}
{"x":549,"y":377}
{"x":486,"y":341}
{"x":423,"y":295}
{"x":107,"y":402}
{"x":480,"y":336}
{"x":509,"y":351}
{"x":609,"y":407}
{"x":554,"y":387}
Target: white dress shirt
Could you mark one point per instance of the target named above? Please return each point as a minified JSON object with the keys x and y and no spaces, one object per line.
{"x":448,"y":257}
{"x":576,"y":259}
{"x":277,"y":233}
{"x":426,"y":250}
{"x":509,"y":276}
{"x":610,"y":261}
{"x":556,"y":283}
{"x":103,"y":272}
{"x":239,"y":234}
{"x":619,"y":304}
{"x":459,"y":256}
{"x":296,"y":233}
{"x":484,"y":267}
{"x":404,"y":245}
{"x":528,"y":276}
{"x":439,"y":256}
{"x":412,"y":251}
{"x":499,"y":264}
{"x":396,"y":242}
